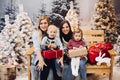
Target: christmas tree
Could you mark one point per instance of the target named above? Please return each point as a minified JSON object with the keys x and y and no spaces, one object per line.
{"x":25,"y":28}
{"x":60,"y":7}
{"x":72,"y":17}
{"x":16,"y":39}
{"x":59,"y":10}
{"x":117,"y":49}
{"x":2,"y":23}
{"x":10,"y":43}
{"x":11,"y":10}
{"x":105,"y":19}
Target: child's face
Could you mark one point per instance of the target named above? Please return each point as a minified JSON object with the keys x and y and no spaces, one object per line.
{"x":77,"y":36}
{"x":52,"y":33}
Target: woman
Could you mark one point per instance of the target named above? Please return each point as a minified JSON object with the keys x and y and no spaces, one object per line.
{"x":38,"y":34}
{"x":65,"y":36}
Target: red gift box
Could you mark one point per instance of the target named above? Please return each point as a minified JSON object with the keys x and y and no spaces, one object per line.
{"x":94,"y":50}
{"x":50,"y":54}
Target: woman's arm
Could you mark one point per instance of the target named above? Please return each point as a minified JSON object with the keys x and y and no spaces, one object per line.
{"x":36,"y":43}
{"x":37,"y":50}
{"x":41,"y":63}
{"x":61,"y":47}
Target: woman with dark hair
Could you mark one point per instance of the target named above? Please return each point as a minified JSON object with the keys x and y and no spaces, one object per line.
{"x":65,"y":36}
{"x":65,"y":31}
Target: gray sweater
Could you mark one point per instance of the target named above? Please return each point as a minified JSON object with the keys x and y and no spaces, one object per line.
{"x":46,"y":40}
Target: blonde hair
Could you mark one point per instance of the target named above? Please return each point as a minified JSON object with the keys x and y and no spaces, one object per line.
{"x":52,"y":27}
{"x":39,"y":32}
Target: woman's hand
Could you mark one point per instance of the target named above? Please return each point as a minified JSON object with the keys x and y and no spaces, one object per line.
{"x":40,"y":65}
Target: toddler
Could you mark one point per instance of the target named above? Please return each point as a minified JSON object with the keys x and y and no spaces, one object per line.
{"x":74,"y":43}
{"x":51,"y":42}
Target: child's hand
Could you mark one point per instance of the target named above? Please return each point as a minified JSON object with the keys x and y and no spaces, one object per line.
{"x":49,"y":45}
{"x":60,"y":61}
{"x":74,"y":48}
{"x":53,"y":46}
{"x":80,"y":46}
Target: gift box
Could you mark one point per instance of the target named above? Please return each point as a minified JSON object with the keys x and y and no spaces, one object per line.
{"x":51,"y":54}
{"x":94,"y":50}
{"x":77,"y":52}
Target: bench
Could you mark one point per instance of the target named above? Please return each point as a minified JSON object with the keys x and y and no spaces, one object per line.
{"x":91,"y":37}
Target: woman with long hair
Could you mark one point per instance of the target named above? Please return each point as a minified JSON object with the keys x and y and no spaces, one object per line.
{"x":40,"y":31}
{"x":65,"y":36}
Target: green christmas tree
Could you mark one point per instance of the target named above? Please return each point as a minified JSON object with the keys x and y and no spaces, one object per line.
{"x":105,"y":19}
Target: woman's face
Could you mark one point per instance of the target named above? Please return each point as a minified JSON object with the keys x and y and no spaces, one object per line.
{"x":65,"y":28}
{"x":44,"y":25}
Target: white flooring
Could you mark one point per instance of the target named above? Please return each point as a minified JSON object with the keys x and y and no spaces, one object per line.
{"x":22,"y":75}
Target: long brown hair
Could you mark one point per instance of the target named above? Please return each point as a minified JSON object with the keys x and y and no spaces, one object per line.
{"x":62,"y":35}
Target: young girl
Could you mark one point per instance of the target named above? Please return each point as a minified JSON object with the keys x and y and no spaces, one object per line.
{"x":51,"y":42}
{"x":74,"y":43}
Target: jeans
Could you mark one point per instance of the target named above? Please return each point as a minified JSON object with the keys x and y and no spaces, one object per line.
{"x":35,"y":74}
{"x":58,"y":68}
{"x":66,"y":73}
{"x":82,"y":69}
{"x":50,"y":65}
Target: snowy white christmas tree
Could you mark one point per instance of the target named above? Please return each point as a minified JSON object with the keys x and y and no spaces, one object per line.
{"x":16,"y":39}
{"x":117,"y":49}
{"x":72,"y":17}
{"x":25,"y":29}
{"x":9,"y":42}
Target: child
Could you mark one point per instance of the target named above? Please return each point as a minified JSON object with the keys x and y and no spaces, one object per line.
{"x":51,"y":42}
{"x":74,"y":43}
